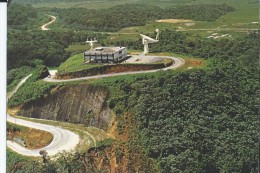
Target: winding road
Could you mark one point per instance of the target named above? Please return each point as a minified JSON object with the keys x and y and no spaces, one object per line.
{"x":177,"y":63}
{"x":62,"y":139}
{"x":45,"y":26}
{"x":65,"y":139}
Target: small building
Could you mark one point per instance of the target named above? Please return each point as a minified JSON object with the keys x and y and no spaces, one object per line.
{"x":106,"y":54}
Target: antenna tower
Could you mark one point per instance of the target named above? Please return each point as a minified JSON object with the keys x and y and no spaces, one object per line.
{"x":91,"y":43}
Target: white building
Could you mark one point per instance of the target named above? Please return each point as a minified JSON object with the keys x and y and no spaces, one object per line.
{"x":106,"y":54}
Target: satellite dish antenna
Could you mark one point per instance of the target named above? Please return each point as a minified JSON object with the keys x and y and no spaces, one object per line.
{"x":147,"y":40}
{"x":157,"y":35}
{"x":91,"y":42}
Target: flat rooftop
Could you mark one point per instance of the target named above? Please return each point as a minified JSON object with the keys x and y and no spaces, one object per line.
{"x":104,"y":50}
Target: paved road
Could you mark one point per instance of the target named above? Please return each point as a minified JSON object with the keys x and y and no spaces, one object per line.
{"x":62,"y":139}
{"x":177,"y":63}
{"x":10,"y":94}
{"x":45,"y":26}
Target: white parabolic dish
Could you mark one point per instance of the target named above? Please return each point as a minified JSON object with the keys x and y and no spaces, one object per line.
{"x":148,"y":39}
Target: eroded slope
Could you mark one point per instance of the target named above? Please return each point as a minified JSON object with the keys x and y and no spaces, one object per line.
{"x":85,"y":104}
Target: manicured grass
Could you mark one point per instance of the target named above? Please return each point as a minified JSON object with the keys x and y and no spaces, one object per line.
{"x":77,"y":48}
{"x":134,"y":52}
{"x":33,"y":138}
{"x":76,"y":63}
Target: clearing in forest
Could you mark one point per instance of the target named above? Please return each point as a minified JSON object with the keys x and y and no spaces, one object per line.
{"x":174,"y":21}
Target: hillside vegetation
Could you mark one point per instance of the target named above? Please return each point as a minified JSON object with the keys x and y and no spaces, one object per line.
{"x":97,"y":4}
{"x":185,"y":121}
{"x":76,"y":63}
{"x":190,"y":120}
{"x":14,"y":76}
{"x":33,"y":88}
{"x":21,"y":15}
{"x":33,"y":47}
{"x":33,"y":138}
{"x":134,"y":15}
{"x":196,"y":121}
{"x":188,"y":44}
{"x":47,"y":48}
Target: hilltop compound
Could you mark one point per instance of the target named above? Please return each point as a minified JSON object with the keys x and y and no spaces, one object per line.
{"x":106,"y":54}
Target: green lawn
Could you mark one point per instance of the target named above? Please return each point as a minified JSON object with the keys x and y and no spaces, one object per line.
{"x":77,"y":48}
{"x":76,"y":63}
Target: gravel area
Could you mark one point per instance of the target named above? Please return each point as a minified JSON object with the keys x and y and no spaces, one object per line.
{"x":142,"y":59}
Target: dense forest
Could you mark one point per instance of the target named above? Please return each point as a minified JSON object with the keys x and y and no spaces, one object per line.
{"x":33,"y":88}
{"x":20,"y":16}
{"x":53,"y":1}
{"x":25,"y":16}
{"x":37,"y":47}
{"x":32,"y":47}
{"x":188,"y":44}
{"x":199,"y":120}
{"x":135,"y":15}
{"x":99,"y":1}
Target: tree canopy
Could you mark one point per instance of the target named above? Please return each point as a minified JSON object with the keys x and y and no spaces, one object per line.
{"x":121,"y":16}
{"x":199,"y":120}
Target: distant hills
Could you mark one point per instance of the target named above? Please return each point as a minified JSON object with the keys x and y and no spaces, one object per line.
{"x":53,"y":1}
{"x":99,"y":1}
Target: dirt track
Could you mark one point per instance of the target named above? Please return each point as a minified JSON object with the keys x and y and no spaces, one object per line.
{"x":174,"y":21}
{"x":45,"y":26}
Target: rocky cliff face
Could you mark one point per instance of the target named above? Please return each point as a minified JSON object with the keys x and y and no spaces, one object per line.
{"x":84,"y":103}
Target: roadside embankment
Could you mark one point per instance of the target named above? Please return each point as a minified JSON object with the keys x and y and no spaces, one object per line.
{"x":82,"y":103}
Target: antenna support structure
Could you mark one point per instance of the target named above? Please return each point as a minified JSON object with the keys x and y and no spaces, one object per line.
{"x":91,"y":43}
{"x":147,"y":40}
